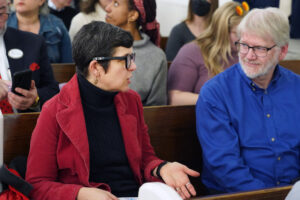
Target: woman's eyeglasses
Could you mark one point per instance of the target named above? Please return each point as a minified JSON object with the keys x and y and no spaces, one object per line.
{"x":128,"y":59}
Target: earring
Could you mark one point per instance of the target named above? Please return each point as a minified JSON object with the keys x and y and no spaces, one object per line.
{"x":96,"y":81}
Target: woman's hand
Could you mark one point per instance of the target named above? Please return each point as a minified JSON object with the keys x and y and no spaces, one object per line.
{"x":176,"y":175}
{"x":86,"y":193}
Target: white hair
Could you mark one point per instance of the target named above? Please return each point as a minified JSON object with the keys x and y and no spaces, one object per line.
{"x":268,"y":22}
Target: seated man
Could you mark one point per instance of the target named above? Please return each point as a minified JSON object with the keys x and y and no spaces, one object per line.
{"x":248,"y":116}
{"x":18,"y":51}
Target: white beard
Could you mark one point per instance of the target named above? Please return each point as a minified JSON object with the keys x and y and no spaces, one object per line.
{"x":262,"y":70}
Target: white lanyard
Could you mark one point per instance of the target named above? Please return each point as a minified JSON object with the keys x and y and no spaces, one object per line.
{"x":4,"y":66}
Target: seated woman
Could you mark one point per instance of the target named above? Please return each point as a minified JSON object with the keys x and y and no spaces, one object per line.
{"x":32,"y":16}
{"x":198,"y":18}
{"x":208,"y":55}
{"x":91,"y":141}
{"x":138,"y":17}
{"x":90,"y":10}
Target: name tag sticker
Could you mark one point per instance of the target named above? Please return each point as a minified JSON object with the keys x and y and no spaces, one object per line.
{"x":15,"y":53}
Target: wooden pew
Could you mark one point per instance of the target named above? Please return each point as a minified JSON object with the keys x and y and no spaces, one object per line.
{"x":171,"y":128}
{"x":17,"y":134}
{"x":276,"y":193}
{"x":293,"y":65}
{"x":163,"y":43}
{"x":173,"y":136}
{"x":63,"y":72}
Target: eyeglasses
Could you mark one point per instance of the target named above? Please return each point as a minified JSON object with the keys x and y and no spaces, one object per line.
{"x":3,"y":16}
{"x":128,"y":59}
{"x":258,"y":50}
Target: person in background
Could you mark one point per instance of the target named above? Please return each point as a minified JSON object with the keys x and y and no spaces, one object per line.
{"x":91,"y":140}
{"x":208,"y":55}
{"x":248,"y":116}
{"x":198,"y":19}
{"x":294,"y":7}
{"x":33,"y":16}
{"x":138,"y":17}
{"x":19,"y":51}
{"x":62,"y":10}
{"x":91,"y":10}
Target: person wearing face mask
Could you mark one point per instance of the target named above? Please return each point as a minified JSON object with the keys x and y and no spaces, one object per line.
{"x":210,"y":54}
{"x":198,"y":18}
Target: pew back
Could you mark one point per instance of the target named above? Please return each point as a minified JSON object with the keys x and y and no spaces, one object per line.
{"x":293,"y":65}
{"x":173,"y":135}
{"x":17,"y":134}
{"x":63,"y":72}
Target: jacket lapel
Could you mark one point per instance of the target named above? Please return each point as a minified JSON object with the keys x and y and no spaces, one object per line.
{"x":128,"y":123}
{"x":11,"y":41}
{"x":72,"y":122}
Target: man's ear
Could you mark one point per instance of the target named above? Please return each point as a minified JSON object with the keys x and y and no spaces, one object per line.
{"x":283,"y":51}
{"x":133,"y":16}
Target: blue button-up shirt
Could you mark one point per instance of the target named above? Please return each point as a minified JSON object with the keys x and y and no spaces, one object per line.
{"x":250,"y":136}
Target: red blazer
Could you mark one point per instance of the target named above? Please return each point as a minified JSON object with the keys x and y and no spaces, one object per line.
{"x":58,"y":163}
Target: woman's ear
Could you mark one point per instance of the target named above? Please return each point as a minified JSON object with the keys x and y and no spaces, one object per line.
{"x":133,"y":16}
{"x":95,"y":69}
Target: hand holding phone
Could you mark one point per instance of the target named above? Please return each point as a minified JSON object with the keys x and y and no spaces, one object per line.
{"x":21,"y":79}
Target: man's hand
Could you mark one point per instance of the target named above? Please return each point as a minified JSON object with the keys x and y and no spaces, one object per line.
{"x":4,"y":85}
{"x":25,"y":101}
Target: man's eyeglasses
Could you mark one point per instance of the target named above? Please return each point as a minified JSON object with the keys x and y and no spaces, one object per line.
{"x":128,"y":59}
{"x":258,"y":50}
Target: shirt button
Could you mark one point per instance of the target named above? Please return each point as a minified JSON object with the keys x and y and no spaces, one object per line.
{"x":278,"y":158}
{"x":268,"y":115}
{"x":273,"y":139}
{"x":253,"y":89}
{"x":278,"y":183}
{"x":266,"y":92}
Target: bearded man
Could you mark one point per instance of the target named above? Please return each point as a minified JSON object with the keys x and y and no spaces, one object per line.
{"x":248,"y":116}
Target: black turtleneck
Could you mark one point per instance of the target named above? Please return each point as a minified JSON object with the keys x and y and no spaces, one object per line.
{"x":108,"y":160}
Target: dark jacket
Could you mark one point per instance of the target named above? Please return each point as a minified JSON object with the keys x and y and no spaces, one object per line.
{"x":34,"y":57}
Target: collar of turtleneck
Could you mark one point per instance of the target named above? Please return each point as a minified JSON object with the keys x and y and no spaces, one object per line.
{"x":92,"y":95}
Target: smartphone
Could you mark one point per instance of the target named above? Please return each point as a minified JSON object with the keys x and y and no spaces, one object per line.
{"x":21,"y":79}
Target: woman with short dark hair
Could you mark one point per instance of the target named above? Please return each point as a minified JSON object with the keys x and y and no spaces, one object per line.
{"x":91,"y":141}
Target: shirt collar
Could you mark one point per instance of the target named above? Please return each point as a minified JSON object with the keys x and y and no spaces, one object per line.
{"x":45,"y":26}
{"x":251,"y":84}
